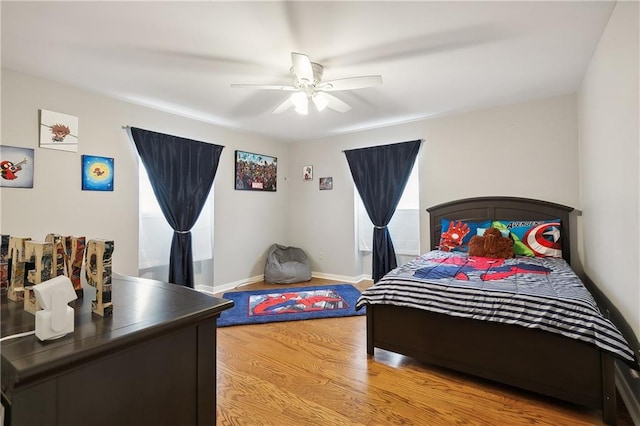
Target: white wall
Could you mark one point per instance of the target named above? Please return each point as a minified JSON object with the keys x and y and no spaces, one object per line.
{"x":246,"y":222}
{"x":526,"y":150}
{"x":609,"y":163}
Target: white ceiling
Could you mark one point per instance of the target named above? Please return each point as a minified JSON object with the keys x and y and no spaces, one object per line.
{"x":434,"y":57}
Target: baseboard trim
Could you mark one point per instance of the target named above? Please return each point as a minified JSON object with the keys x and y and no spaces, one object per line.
{"x":236,"y":284}
{"x":345,"y":278}
{"x":207,"y":289}
{"x":628,"y":384}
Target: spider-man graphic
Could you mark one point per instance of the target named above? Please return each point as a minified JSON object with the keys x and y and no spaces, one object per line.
{"x":460,"y":268}
{"x":288,"y":303}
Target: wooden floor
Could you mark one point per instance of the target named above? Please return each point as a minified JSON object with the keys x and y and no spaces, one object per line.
{"x":318,"y":373}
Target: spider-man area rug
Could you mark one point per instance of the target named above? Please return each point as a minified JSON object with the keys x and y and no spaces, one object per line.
{"x":290,"y":304}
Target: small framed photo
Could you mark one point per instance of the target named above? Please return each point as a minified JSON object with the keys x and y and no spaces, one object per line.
{"x":97,"y":173}
{"x":307,"y":173}
{"x":326,"y":183}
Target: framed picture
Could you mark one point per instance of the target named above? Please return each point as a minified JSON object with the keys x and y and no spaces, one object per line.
{"x":307,"y":173}
{"x":58,"y":131}
{"x":256,"y":172}
{"x":16,"y":167}
{"x":97,"y":173}
{"x":326,"y":183}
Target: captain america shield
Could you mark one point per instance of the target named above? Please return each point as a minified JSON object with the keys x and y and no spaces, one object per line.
{"x":544,"y":239}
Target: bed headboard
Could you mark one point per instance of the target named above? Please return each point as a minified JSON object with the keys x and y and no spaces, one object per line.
{"x":501,"y":208}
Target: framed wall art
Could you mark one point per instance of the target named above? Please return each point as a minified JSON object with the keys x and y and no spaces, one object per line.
{"x":16,"y":167}
{"x":326,"y":183}
{"x":97,"y":173}
{"x":256,"y":172}
{"x":307,"y":173}
{"x":58,"y":131}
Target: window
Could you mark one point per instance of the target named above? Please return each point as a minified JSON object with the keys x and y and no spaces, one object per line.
{"x":155,"y":236}
{"x":405,"y":224}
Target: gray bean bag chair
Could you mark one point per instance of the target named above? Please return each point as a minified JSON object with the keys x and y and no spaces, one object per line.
{"x":286,"y":265}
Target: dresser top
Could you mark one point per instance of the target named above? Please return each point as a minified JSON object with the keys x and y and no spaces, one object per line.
{"x":143,"y":309}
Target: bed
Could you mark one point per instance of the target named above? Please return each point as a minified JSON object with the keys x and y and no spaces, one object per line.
{"x":538,"y":359}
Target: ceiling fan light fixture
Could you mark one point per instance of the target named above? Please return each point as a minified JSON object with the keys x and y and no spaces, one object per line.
{"x":320,"y":100}
{"x":299,"y":99}
{"x":301,"y":102}
{"x":303,"y":110}
{"x":308,"y":84}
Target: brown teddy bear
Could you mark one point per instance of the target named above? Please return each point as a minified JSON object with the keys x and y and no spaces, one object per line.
{"x":492,"y":244}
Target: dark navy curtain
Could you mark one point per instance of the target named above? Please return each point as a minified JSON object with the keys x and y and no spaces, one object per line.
{"x":380,"y":174}
{"x":181,"y":172}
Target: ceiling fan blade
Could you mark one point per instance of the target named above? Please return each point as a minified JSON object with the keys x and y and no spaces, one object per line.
{"x":336,"y":104}
{"x":264,"y":87}
{"x":283,"y":106}
{"x":351,"y":83}
{"x":302,"y":66}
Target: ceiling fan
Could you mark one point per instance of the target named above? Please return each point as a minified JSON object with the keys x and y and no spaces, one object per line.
{"x":308,"y":85}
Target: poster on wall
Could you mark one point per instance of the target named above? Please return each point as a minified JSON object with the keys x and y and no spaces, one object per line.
{"x":16,"y":167}
{"x":256,"y":172}
{"x":58,"y":131}
{"x":97,"y":173}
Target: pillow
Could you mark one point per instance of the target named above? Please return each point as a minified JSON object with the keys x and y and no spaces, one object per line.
{"x":456,"y":234}
{"x":533,"y":238}
{"x":480,"y":232}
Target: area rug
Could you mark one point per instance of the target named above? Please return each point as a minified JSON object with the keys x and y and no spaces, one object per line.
{"x":290,"y":304}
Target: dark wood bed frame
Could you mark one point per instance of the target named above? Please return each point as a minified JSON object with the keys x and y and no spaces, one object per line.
{"x":530,"y":359}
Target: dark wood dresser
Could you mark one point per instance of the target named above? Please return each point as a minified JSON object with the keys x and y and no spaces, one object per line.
{"x":152,"y":363}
